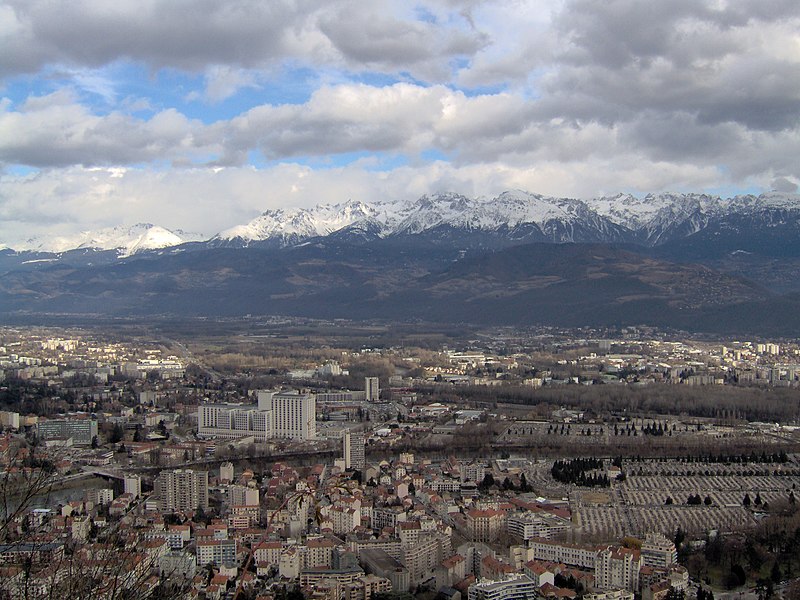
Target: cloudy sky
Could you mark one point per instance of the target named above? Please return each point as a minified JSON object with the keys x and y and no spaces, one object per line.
{"x":200,"y":114}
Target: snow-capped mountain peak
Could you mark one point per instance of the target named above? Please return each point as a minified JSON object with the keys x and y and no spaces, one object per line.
{"x":126,"y":240}
{"x":623,"y":217}
{"x":513,"y":216}
{"x":293,"y":225}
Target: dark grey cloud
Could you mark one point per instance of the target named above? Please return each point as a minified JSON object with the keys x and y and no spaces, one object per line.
{"x":680,"y":136}
{"x":617,"y":33}
{"x":781,"y":184}
{"x":196,"y":34}
{"x":622,"y":57}
{"x":366,"y":35}
{"x":680,"y":81}
{"x":187,"y":34}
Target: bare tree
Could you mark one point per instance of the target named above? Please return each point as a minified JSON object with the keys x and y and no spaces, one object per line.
{"x":44,"y":563}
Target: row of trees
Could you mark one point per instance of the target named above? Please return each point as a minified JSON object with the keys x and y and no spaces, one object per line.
{"x":489,"y":481}
{"x":726,"y":403}
{"x":692,"y":500}
{"x":780,"y":457}
{"x":578,"y":471}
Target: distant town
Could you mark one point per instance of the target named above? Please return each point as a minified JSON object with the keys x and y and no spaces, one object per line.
{"x":293,"y":461}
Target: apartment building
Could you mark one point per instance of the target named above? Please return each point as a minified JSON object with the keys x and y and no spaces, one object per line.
{"x":520,"y":587}
{"x":233,"y":421}
{"x":573,"y":555}
{"x":372,"y":389}
{"x":617,"y":568}
{"x":294,"y":414}
{"x":485,"y":525}
{"x":289,"y":415}
{"x":659,"y":552}
{"x":354,"y":450}
{"x":217,"y":552}
{"x":81,"y":430}
{"x":181,"y":490}
{"x":528,"y":525}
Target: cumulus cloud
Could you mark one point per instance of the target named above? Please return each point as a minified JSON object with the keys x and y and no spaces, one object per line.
{"x":56,"y":130}
{"x":223,"y":81}
{"x":564,"y":97}
{"x":72,"y":199}
{"x":371,"y":35}
{"x":183,"y":34}
{"x":721,"y":62}
{"x":194,"y":35}
{"x":403,"y":118}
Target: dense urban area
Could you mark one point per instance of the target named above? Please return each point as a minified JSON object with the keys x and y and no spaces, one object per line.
{"x":289,"y":459}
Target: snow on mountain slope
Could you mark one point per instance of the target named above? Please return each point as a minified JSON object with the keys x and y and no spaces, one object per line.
{"x":636,"y":213}
{"x":650,"y":220}
{"x":126,"y":240}
{"x":429,"y":212}
{"x":519,"y":216}
{"x":293,"y":225}
{"x":506,"y":211}
{"x":768,"y":201}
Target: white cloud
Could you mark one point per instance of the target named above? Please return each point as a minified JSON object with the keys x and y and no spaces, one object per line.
{"x":402,"y":119}
{"x":596,"y":97}
{"x":55,"y":130}
{"x":66,"y":201}
{"x":223,"y":81}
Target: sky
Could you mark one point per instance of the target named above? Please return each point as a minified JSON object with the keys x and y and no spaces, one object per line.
{"x":201,"y":114}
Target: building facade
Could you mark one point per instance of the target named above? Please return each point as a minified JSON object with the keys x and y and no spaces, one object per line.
{"x":353,"y":450}
{"x":80,"y":430}
{"x":659,"y":552}
{"x":133,"y":485}
{"x":294,"y":414}
{"x":181,"y":490}
{"x":515,"y":588}
{"x":372,"y":389}
{"x":217,"y":552}
{"x":232,"y":421}
{"x":485,"y":525}
{"x":289,"y":415}
{"x":527,"y":526}
{"x":617,"y":568}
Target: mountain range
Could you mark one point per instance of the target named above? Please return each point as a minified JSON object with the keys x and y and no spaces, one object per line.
{"x":692,"y":261}
{"x":512,"y":217}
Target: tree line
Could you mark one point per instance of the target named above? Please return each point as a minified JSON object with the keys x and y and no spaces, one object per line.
{"x":578,"y":471}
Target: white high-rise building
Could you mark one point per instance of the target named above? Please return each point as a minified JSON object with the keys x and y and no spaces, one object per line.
{"x":240,"y":495}
{"x":133,"y":485}
{"x":289,"y":415}
{"x":100,"y":495}
{"x":181,"y":490}
{"x":294,"y":414}
{"x":617,"y":568}
{"x":232,"y":421}
{"x":372,"y":388}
